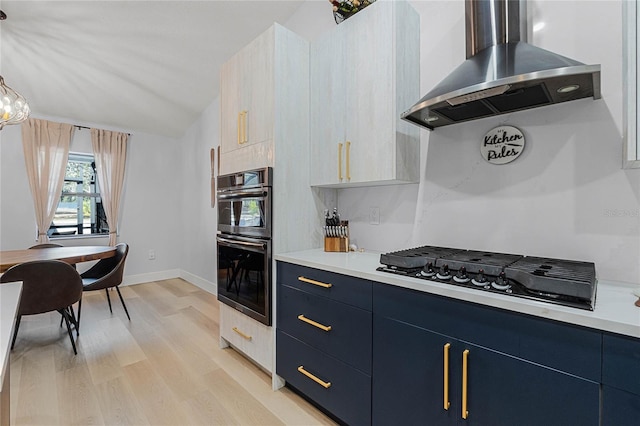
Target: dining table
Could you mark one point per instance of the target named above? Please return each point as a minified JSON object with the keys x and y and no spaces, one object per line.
{"x":71,"y":255}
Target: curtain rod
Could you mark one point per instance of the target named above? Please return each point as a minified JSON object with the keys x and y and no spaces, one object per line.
{"x":89,"y":128}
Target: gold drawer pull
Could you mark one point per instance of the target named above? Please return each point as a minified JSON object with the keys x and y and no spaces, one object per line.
{"x":325,"y":385}
{"x":244,"y":127}
{"x":348,"y":152}
{"x":314,"y":282}
{"x":465,"y":364}
{"x":447,"y":404}
{"x":241,"y":333}
{"x":313,"y":323}
{"x":340,"y":162}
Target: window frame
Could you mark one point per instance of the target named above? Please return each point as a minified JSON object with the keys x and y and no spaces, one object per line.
{"x":631,"y":67}
{"x":86,"y":157}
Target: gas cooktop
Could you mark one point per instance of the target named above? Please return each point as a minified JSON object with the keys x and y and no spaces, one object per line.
{"x":564,"y":282}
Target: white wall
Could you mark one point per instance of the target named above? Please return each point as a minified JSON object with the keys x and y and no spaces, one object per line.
{"x":566,"y":196}
{"x":199,"y":218}
{"x":151,"y":209}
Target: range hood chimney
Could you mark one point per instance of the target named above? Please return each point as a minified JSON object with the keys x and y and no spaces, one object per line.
{"x":502,"y":72}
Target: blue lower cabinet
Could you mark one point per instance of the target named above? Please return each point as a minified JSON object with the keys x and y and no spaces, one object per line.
{"x":340,"y":389}
{"x":410,"y":384}
{"x":339,"y":330}
{"x":394,"y":356}
{"x":342,"y":288}
{"x":504,"y":390}
{"x":621,"y":380}
{"x":408,"y":380}
{"x":620,"y":408}
{"x":621,"y":362}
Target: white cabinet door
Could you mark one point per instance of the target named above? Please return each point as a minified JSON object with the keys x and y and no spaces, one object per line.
{"x":328,"y":108}
{"x":363,"y":75}
{"x":229,"y":105}
{"x":246,"y":95}
{"x":250,"y":337}
{"x":257,"y":87}
{"x":370,"y":100}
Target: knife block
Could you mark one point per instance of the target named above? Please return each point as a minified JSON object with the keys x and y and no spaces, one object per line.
{"x":337,"y":244}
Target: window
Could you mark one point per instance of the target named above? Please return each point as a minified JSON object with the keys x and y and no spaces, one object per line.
{"x":631,"y":14}
{"x":80,"y":211}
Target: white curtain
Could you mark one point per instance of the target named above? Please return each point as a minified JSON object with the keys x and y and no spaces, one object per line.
{"x":46,"y":151}
{"x":110,"y":150}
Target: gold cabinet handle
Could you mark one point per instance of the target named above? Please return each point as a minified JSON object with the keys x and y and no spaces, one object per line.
{"x":245,"y":336}
{"x":242,"y":127}
{"x":348,"y":159}
{"x":322,"y":383}
{"x":245,"y":138}
{"x":340,"y":162}
{"x":313,"y":323}
{"x":314,"y":282}
{"x":465,"y":363}
{"x":447,"y":404}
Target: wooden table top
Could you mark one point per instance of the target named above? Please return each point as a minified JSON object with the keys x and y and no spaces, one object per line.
{"x":71,"y":255}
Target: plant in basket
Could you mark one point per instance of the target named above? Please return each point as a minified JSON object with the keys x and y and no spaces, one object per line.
{"x":345,"y":9}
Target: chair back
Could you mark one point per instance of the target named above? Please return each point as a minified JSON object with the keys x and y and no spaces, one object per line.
{"x":45,"y":245}
{"x":47,"y":285}
{"x":108,"y":272}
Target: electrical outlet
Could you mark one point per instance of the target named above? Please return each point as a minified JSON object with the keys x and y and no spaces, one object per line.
{"x":374,"y":216}
{"x":152,"y":255}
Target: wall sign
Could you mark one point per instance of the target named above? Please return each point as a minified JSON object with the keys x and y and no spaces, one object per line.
{"x":502,"y":145}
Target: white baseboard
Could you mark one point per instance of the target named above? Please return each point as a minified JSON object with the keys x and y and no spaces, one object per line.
{"x":151,"y":276}
{"x":199,"y":281}
{"x":169,"y":274}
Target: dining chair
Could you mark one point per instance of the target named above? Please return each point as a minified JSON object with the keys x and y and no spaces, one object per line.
{"x":52,"y":245}
{"x":106,"y":274}
{"x":47,"y":286}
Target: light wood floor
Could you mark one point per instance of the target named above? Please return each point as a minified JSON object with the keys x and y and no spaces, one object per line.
{"x":162,"y":368}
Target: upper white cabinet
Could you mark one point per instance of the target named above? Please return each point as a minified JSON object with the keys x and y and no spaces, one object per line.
{"x":261,"y":76}
{"x":363,"y":74}
{"x":246,"y":94}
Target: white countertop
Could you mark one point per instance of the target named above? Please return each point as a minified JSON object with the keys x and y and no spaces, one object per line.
{"x":614,"y":309}
{"x":9,"y":301}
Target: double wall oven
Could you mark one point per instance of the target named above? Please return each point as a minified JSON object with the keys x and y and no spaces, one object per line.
{"x":244,"y":242}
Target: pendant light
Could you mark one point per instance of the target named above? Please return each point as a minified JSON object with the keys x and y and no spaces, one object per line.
{"x":14,"y":108}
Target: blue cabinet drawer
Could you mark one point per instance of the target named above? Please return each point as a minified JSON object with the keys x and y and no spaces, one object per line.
{"x":346,"y":289}
{"x":621,"y":362}
{"x":337,"y":387}
{"x":576,"y":350}
{"x":340,"y":330}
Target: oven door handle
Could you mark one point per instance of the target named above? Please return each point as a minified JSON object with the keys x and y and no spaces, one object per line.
{"x":242,"y":194}
{"x":241,"y":243}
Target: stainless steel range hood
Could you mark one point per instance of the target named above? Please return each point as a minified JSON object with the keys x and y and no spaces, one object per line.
{"x":502,"y":72}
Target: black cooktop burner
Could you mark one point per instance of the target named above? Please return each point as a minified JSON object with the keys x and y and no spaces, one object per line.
{"x":564,"y":282}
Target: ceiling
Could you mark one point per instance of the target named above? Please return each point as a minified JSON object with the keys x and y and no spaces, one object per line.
{"x":148,"y":66}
